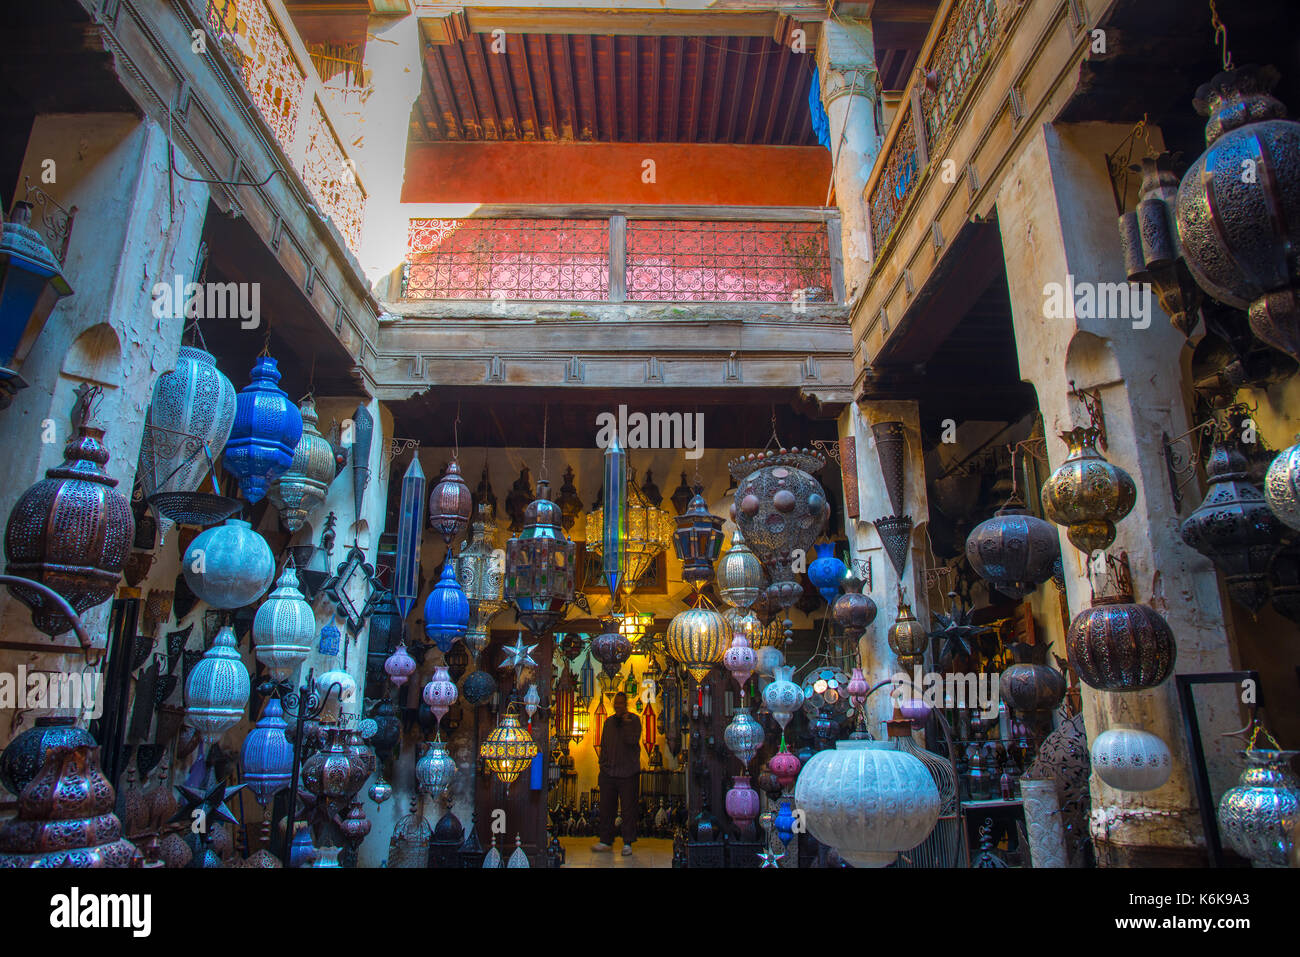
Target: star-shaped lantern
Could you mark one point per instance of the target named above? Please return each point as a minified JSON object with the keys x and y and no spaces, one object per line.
{"x":209,"y":805}
{"x":519,"y":656}
{"x":769,"y":859}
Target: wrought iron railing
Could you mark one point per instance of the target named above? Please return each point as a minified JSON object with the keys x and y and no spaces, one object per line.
{"x":956,"y":60}
{"x":623,"y":256}
{"x":286,"y":90}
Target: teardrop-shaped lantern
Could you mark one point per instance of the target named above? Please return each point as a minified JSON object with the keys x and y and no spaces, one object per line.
{"x":532,"y":701}
{"x":611,"y":649}
{"x":399,"y":666}
{"x":743,"y":736}
{"x":440,"y":692}
{"x":284,"y":627}
{"x":228,"y":566}
{"x":740,"y":574}
{"x":1087,"y":494}
{"x":266,"y":431}
{"x":853,"y":611}
{"x":267,"y":755}
{"x":740,"y":659}
{"x":217,"y":689}
{"x":450,"y":504}
{"x":539,"y":566}
{"x":782,"y":697}
{"x":410,"y":533}
{"x":301,"y":488}
{"x":827,"y":572}
{"x":446,"y":610}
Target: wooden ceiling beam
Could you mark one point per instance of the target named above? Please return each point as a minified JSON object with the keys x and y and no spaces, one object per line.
{"x":584,"y":47}
{"x":570,"y":112}
{"x":541,"y":62}
{"x":697,"y":88}
{"x":760,"y":82}
{"x":742,"y":63}
{"x":504,"y":91}
{"x":656,"y":74}
{"x":796,"y":108}
{"x":778,"y":92}
{"x":481,"y":85}
{"x":719,"y":81}
{"x":463,"y":85}
{"x":641,"y":23}
{"x":675,"y":87}
{"x":437,"y":74}
{"x":524,"y":94}
{"x":608,"y":52}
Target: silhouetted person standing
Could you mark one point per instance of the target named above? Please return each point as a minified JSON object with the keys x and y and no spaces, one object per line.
{"x":620,"y":773}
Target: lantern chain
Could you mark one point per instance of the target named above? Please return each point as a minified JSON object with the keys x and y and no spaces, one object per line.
{"x":1220,"y":36}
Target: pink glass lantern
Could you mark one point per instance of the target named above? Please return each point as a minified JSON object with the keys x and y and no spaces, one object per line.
{"x":785,"y":766}
{"x":399,"y":666}
{"x":857,"y":689}
{"x":740,"y":659}
{"x":742,"y":801}
{"x":440,"y":693}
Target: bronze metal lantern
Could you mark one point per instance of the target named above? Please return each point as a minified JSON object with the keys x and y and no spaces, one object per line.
{"x":1031,"y":687}
{"x":907,"y":636}
{"x":1013,"y":550}
{"x":450,"y":504}
{"x":1087,"y":494}
{"x":1119,"y":645}
{"x":1239,"y":201}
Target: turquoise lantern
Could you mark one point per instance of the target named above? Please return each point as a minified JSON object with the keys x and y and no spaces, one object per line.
{"x":614,"y":526}
{"x":827,"y":572}
{"x":31,"y":283}
{"x":266,"y":432}
{"x":446,"y":610}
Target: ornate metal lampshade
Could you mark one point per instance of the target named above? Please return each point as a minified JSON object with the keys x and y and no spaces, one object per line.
{"x":1013,"y":550}
{"x":284,"y":627}
{"x":446,"y":610}
{"x":611,"y":649}
{"x":1087,"y":494}
{"x":509,"y":749}
{"x":267,"y":755}
{"x":450,"y":503}
{"x":570,"y":504}
{"x":265,"y":434}
{"x":228,"y":566}
{"x":581,"y":721}
{"x":648,"y":532}
{"x":217,"y":689}
{"x":410,"y":533}
{"x":698,"y":638}
{"x":301,"y":489}
{"x":563,"y":707}
{"x":539,"y":566}
{"x":698,"y":542}
{"x":482,"y":578}
{"x":740,"y":574}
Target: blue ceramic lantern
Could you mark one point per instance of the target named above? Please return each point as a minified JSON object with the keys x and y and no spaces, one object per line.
{"x":827,"y":572}
{"x":446,"y":610}
{"x":329,"y":639}
{"x":31,"y":283}
{"x":267,"y":756}
{"x":266,"y":432}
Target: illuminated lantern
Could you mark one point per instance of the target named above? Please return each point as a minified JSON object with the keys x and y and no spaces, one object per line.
{"x":284,"y":627}
{"x":440,"y":693}
{"x":301,"y":488}
{"x":563,"y":707}
{"x":698,"y":542}
{"x":450,"y":504}
{"x":446,"y":610}
{"x":265,"y":434}
{"x":410,"y":532}
{"x":539,"y":566}
{"x":482,"y":578}
{"x":695,"y":639}
{"x":508,"y":750}
{"x":581,"y":722}
{"x":827,"y":572}
{"x":651,"y":732}
{"x":611,"y":649}
{"x":598,"y":722}
{"x":740,"y":574}
{"x":613,"y":536}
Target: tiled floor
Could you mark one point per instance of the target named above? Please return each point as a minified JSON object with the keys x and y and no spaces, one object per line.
{"x":646,"y":852}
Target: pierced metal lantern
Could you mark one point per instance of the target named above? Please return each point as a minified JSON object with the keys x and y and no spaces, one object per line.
{"x":1087,"y":494}
{"x":1129,"y":759}
{"x":478,"y":687}
{"x":1239,"y":200}
{"x":853,"y":611}
{"x":539,"y":566}
{"x":1013,"y":551}
{"x":611,"y":649}
{"x":740,"y":574}
{"x":1234,"y":527}
{"x":1029,"y":686}
{"x":827,"y":572}
{"x":284,"y":627}
{"x":563,"y":706}
{"x":399,"y":666}
{"x":450,"y":504}
{"x":1152,"y":252}
{"x":267,"y":755}
{"x":228,"y":566}
{"x":779,"y":507}
{"x":217,"y":689}
{"x":570,"y":504}
{"x":440,"y":692}
{"x":31,"y":283}
{"x":1258,"y":817}
{"x":698,"y":542}
{"x":647,"y":532}
{"x":301,"y":489}
{"x":71,"y":532}
{"x":410,"y":532}
{"x":436,"y":769}
{"x":446,"y":610}
{"x":509,"y":749}
{"x":1282,"y":486}
{"x":265,"y":434}
{"x":740,"y":659}
{"x":698,"y":638}
{"x":1119,"y":645}
{"x":482,"y":578}
{"x":743,"y":736}
{"x":907,"y":636}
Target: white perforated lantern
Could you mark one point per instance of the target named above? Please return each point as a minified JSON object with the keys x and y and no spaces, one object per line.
{"x":284,"y":627}
{"x":1129,"y":759}
{"x":217,"y":689}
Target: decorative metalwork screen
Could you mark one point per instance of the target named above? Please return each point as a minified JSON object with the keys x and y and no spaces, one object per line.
{"x":695,"y":261}
{"x":902,"y":167}
{"x":330,"y":178}
{"x":265,"y":61}
{"x":957,"y":59}
{"x":507,"y":259}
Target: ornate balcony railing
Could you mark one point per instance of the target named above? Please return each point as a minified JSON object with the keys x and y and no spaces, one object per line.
{"x":285,"y":87}
{"x":630,"y":255}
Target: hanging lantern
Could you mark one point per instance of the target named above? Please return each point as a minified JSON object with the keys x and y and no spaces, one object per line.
{"x":329,"y":639}
{"x":827,"y":572}
{"x":857,"y":689}
{"x":1282,"y":486}
{"x":23,"y":756}
{"x":853,"y":611}
{"x":228,"y":566}
{"x":743,"y":736}
{"x":742,"y":802}
{"x":586,"y":680}
{"x":740,"y":659}
{"x":611,"y":649}
{"x":539,"y":566}
{"x":647,"y":531}
{"x":1128,"y":759}
{"x":478,"y":687}
{"x":284,"y":627}
{"x":457,"y":661}
{"x":770,"y":657}
{"x":363,"y":434}
{"x":695,"y":639}
{"x":581,"y":722}
{"x":508,"y":750}
{"x":785,"y":766}
{"x":907,"y":636}
{"x":410,"y":535}
{"x":387,"y":627}
{"x":1234,"y":235}
{"x":650,"y":730}
{"x":782,"y":697}
{"x":440,"y":693}
{"x":450,"y":504}
{"x":698,"y":542}
{"x":570,"y":504}
{"x":71,"y":532}
{"x":1087,"y":494}
{"x":1119,"y":645}
{"x":1013,"y":551}
{"x":868,"y":801}
{"x":532,"y":700}
{"x":614,"y":526}
{"x":1258,"y":817}
{"x":779,"y":507}
{"x":682,"y":496}
{"x":217,"y":689}
{"x":301,"y":489}
{"x":521,"y":494}
{"x":563,"y":706}
{"x":266,"y":431}
{"x":483,"y":579}
{"x":267,"y":754}
{"x":740,"y":574}
{"x":435,"y":770}
{"x":1233,"y":526}
{"x":446,"y":610}
{"x":31,"y":283}
{"x":1032,"y":688}
{"x":598,"y":722}
{"x":336,"y":690}
{"x":186,"y":427}
{"x":399,"y":666}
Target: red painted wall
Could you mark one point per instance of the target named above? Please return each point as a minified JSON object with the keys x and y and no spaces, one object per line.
{"x":705,"y":174}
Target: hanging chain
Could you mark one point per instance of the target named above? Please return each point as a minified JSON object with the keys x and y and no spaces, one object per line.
{"x":455,"y":435}
{"x":546,"y":419}
{"x":1220,"y":36}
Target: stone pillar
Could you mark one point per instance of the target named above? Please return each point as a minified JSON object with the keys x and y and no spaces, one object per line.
{"x":1058,"y":220}
{"x":392,"y":69}
{"x":878,"y":661}
{"x":846,"y":65}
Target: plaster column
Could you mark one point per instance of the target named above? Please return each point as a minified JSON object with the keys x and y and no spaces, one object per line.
{"x":392,"y":69}
{"x":1058,"y":219}
{"x":846,"y":66}
{"x":878,"y":661}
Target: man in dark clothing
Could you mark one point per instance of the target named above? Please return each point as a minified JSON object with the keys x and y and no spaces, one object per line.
{"x":620,"y":772}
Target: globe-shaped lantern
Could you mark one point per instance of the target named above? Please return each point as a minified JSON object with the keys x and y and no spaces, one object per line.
{"x":217,"y":689}
{"x":785,"y":766}
{"x":301,"y":488}
{"x":779,"y":507}
{"x":284,"y":627}
{"x":1282,"y":486}
{"x":265,"y":434}
{"x":697,"y":639}
{"x":698,"y":542}
{"x":907,"y":637}
{"x":508,"y":750}
{"x":743,"y":736}
{"x":867,"y":800}
{"x":1013,"y":551}
{"x":1235,"y":229}
{"x":647,"y":532}
{"x":827,"y":572}
{"x":31,"y":283}
{"x":611,"y":649}
{"x":440,"y":693}
{"x":782,"y":697}
{"x":1087,"y":494}
{"x":478,"y":687}
{"x":740,"y":574}
{"x":450,"y":504}
{"x":228,"y":566}
{"x":336,"y":690}
{"x":1258,"y":817}
{"x":742,"y":802}
{"x":539,"y":566}
{"x":482,"y":577}
{"x":853,"y":611}
{"x":1129,"y":759}
{"x":267,"y":755}
{"x":435,"y":770}
{"x":399,"y":666}
{"x":446,"y":610}
{"x":71,"y":532}
{"x":1119,"y":645}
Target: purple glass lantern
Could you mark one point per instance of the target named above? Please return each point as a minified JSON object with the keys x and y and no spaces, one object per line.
{"x":267,"y":755}
{"x":450,"y":504}
{"x":266,"y":432}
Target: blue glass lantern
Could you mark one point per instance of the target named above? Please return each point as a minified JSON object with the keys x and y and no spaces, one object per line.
{"x":31,"y":283}
{"x":410,"y":529}
{"x":267,"y":430}
{"x":785,"y":821}
{"x":827,"y":572}
{"x":267,"y":755}
{"x":329,"y":639}
{"x":446,"y":610}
